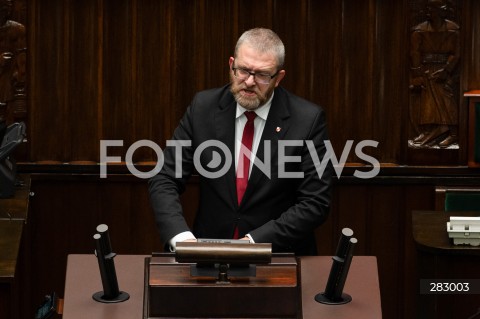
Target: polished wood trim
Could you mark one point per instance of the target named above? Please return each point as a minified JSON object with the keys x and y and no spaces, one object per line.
{"x":475,"y":93}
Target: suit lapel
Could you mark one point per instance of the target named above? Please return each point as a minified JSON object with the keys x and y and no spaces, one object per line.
{"x":225,"y":129}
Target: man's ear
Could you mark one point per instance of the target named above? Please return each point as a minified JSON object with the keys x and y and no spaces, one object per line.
{"x":279,"y":77}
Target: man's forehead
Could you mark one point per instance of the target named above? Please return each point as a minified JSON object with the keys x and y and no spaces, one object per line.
{"x":253,"y":58}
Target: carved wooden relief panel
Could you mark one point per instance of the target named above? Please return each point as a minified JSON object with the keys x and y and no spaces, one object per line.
{"x":12,"y":65}
{"x":434,"y":74}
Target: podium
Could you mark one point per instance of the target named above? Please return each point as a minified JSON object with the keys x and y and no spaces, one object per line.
{"x":83,"y":279}
{"x":273,"y":291}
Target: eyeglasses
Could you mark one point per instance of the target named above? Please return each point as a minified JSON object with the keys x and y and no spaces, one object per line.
{"x":260,"y":78}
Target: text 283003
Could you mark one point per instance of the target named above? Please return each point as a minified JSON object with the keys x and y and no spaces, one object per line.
{"x":450,"y":286}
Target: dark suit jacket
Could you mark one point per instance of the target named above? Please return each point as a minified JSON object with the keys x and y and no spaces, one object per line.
{"x":281,"y":211}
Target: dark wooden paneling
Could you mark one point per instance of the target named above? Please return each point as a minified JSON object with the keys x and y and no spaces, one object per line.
{"x":286,"y":14}
{"x":128,"y":69}
{"x":5,"y":301}
{"x":471,"y":46}
{"x":47,"y":78}
{"x":385,"y":233}
{"x":82,"y":83}
{"x":118,"y":106}
{"x":416,"y":198}
{"x":390,"y":89}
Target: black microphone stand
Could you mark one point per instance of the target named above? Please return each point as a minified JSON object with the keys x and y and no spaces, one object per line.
{"x":110,"y":293}
{"x":333,"y":294}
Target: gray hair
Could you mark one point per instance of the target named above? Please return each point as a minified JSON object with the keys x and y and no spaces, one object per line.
{"x":265,"y":41}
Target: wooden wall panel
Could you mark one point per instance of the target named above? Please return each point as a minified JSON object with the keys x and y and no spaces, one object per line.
{"x":390,"y":80}
{"x":471,"y":46}
{"x":386,"y":235}
{"x":82,"y":87}
{"x":118,"y":106}
{"x":47,"y":77}
{"x":356,"y":33}
{"x":287,"y":14}
{"x":5,"y":300}
{"x":213,"y":34}
{"x":253,"y":13}
{"x":416,"y":197}
{"x":128,"y":69}
{"x":155,"y":113}
{"x":325,"y":66}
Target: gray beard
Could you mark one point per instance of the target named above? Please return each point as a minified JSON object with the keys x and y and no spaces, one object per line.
{"x":249,"y":104}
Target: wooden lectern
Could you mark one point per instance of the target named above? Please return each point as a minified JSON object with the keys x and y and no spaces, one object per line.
{"x":83,"y":279}
{"x":172,"y":291}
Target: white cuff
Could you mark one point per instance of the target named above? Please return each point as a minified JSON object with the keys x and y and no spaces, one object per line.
{"x":180,"y":237}
{"x":251,"y":239}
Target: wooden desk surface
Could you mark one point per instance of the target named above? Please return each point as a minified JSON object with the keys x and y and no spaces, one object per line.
{"x":17,"y":206}
{"x":362,"y":285}
{"x":10,"y":237}
{"x":83,"y":280}
{"x":430,"y":233}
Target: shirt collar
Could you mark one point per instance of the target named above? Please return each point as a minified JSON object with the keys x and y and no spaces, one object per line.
{"x":261,"y":112}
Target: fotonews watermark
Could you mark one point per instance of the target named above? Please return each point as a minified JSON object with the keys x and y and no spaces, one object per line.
{"x":221,"y":159}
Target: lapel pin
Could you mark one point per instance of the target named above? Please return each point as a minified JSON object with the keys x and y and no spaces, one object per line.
{"x":278,"y":129}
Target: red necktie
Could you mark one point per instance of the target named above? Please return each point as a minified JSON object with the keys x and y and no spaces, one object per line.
{"x":243,"y":167}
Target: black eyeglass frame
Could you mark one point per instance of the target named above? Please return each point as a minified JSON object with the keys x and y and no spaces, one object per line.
{"x":234,"y":69}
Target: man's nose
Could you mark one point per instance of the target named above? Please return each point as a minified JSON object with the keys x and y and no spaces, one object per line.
{"x":250,"y":81}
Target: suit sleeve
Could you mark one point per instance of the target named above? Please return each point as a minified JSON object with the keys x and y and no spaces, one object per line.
{"x":166,"y":187}
{"x":312,"y":196}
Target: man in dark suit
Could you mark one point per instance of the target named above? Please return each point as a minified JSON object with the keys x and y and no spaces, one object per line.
{"x":282,"y":194}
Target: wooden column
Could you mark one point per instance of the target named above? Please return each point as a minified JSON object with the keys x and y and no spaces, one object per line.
{"x":473,"y":97}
